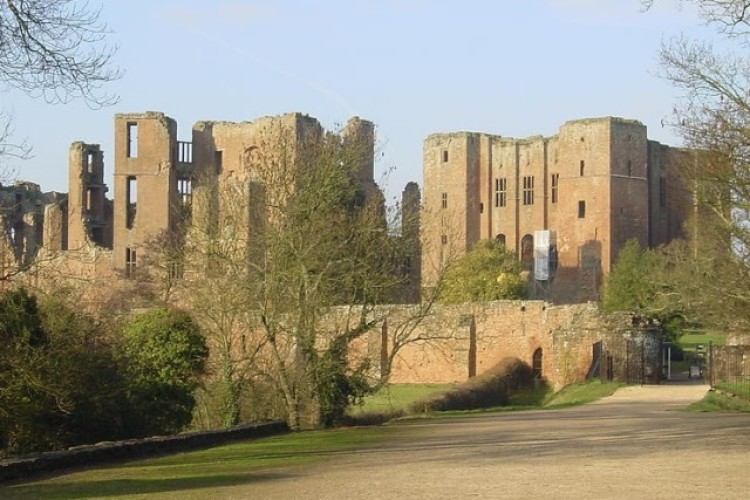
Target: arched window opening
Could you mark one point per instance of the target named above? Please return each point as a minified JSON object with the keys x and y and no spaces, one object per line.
{"x":536,"y":364}
{"x":527,"y":252}
{"x":500,"y":238}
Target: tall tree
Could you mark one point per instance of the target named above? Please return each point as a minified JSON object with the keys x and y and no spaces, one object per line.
{"x":713,"y":117}
{"x":286,"y":264}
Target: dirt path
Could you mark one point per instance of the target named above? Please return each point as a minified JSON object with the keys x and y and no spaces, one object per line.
{"x":630,"y":445}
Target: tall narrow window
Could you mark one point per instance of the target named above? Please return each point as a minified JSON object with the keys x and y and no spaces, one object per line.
{"x":185,"y":191}
{"x":583,"y":167}
{"x":663,"y":192}
{"x":528,"y":190}
{"x":630,"y":168}
{"x":501,"y":192}
{"x":185,"y":196}
{"x":218,"y":160}
{"x":132,"y":151}
{"x":132,"y":200}
{"x":445,"y":156}
{"x":536,"y":364}
{"x":581,"y":209}
{"x":130,"y":262}
{"x":444,"y":239}
{"x":444,"y":200}
{"x":527,"y":252}
{"x":184,"y":152}
{"x":555,"y":184}
{"x":175,"y":268}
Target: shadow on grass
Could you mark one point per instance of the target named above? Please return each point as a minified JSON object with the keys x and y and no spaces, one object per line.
{"x":103,"y":488}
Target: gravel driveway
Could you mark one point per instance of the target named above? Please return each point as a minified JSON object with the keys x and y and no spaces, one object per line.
{"x":630,"y":445}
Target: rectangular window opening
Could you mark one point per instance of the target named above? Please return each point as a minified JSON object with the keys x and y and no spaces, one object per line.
{"x":555,"y":185}
{"x":583,"y":167}
{"x":184,"y":152}
{"x":130,"y":262}
{"x":89,"y":200}
{"x":581,"y":209}
{"x":528,"y":190}
{"x":132,"y":151}
{"x":132,"y":200}
{"x":444,"y":200}
{"x":218,"y":160}
{"x":445,"y":156}
{"x":185,"y":196}
{"x":663,"y":192}
{"x":501,"y":192}
{"x":176,"y":268}
{"x":444,"y":239}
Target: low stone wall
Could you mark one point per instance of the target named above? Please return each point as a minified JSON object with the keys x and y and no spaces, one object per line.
{"x":28,"y":466}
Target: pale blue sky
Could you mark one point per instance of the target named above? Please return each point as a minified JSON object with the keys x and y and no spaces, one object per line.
{"x":414,"y":67}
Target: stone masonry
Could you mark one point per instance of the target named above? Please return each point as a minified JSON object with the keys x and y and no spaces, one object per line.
{"x":596,"y":184}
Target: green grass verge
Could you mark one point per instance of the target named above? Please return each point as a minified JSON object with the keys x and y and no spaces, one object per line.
{"x":741,"y":389}
{"x":397,"y":397}
{"x":581,"y":393}
{"x":198,"y":474}
{"x":716,"y":401}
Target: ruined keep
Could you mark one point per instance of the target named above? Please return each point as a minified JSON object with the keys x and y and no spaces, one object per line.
{"x":155,"y":176}
{"x":565,"y":204}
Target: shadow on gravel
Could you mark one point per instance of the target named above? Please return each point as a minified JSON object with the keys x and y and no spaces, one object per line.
{"x":123,"y":487}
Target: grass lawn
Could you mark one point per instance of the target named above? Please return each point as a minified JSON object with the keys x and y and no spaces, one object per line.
{"x":717,"y":401}
{"x":196,"y":475}
{"x":582,"y":393}
{"x":396,"y":397}
{"x":739,"y":389}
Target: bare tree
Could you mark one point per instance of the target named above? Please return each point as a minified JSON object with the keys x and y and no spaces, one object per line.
{"x":55,"y":49}
{"x":713,"y":117}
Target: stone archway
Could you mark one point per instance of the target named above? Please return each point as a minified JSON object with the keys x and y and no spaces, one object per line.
{"x":536,"y":363}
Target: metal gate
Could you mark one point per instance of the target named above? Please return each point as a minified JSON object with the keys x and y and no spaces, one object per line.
{"x":643,"y":358}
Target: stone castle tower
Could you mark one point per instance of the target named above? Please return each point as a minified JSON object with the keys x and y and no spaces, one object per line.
{"x":584,"y":192}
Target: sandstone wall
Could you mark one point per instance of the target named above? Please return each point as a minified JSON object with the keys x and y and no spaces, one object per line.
{"x":455,"y":342}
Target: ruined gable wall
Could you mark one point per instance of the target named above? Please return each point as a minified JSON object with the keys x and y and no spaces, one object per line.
{"x":144,"y":171}
{"x":89,"y":221}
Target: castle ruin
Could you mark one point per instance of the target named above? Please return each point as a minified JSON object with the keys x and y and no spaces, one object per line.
{"x":564,"y":204}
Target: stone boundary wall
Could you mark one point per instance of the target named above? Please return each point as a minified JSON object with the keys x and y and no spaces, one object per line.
{"x":456,"y":342}
{"x":29,"y":466}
